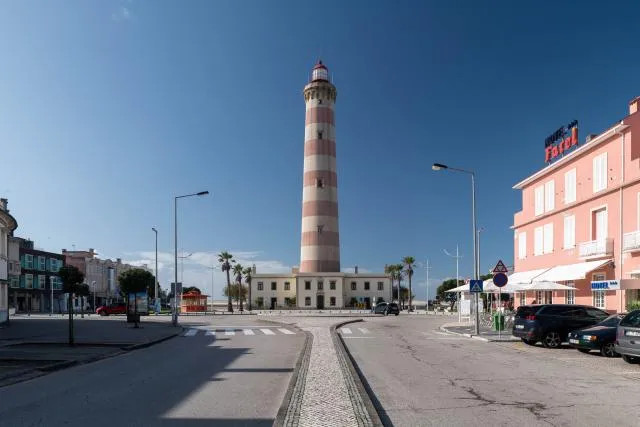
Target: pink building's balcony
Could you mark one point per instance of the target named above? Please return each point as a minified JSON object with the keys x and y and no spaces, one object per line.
{"x":596,"y":248}
{"x":631,"y":241}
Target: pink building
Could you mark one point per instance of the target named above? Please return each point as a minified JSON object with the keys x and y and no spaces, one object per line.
{"x":580,"y":218}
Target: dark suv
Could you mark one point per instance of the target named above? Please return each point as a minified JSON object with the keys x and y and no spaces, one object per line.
{"x":386,"y":308}
{"x":551,"y":323}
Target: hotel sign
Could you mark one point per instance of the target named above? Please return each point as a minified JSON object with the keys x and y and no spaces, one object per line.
{"x":605,"y":285}
{"x":560,"y":141}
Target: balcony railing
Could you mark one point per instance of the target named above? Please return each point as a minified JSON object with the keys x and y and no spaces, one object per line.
{"x":631,"y":241}
{"x":596,"y":248}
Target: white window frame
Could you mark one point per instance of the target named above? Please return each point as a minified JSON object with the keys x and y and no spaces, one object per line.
{"x":569,"y":231}
{"x":570,"y":296}
{"x":522,"y":245}
{"x":570,"y":178}
{"x":28,"y":257}
{"x":42,"y":263}
{"x":260,"y":286}
{"x":600,"y":173}
{"x":538,"y":241}
{"x":549,"y":196}
{"x":523,"y":298}
{"x":638,"y":213}
{"x":547,"y":238}
{"x":538,"y":200}
{"x":42,"y":281}
{"x":28,"y":281}
{"x":600,"y":294}
{"x":381,"y":286}
{"x":592,"y":217}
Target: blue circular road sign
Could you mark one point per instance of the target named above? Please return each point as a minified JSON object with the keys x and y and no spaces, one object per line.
{"x":500,"y":279}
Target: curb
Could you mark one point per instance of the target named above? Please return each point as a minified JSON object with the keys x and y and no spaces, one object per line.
{"x":369,"y":411}
{"x":289,"y":411}
{"x":443,"y":328}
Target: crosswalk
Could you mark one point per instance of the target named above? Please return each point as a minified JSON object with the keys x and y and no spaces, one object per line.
{"x":230,"y":332}
{"x":353,"y":332}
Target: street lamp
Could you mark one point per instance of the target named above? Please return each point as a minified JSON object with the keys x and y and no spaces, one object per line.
{"x":440,"y":166}
{"x":156,"y":278}
{"x":174,"y":320}
{"x":213,"y":268}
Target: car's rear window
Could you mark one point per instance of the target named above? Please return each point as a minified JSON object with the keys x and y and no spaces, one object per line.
{"x":526,"y":310}
{"x":632,"y":319}
{"x":393,"y":305}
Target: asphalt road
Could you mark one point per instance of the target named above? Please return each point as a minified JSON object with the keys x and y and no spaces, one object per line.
{"x":237,"y":377}
{"x":423,"y":377}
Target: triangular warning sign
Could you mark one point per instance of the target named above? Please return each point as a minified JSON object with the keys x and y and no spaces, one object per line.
{"x":500,"y":268}
{"x":476,"y":287}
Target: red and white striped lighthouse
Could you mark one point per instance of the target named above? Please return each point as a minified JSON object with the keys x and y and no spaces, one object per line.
{"x":320,"y":244}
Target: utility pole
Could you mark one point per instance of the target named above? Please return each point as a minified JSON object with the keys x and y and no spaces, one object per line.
{"x":457,"y":256}
{"x":426,"y":269}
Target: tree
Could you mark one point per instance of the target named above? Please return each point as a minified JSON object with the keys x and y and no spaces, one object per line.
{"x":446,"y":285}
{"x":72,"y":279}
{"x":83,"y":292}
{"x":247,"y":279}
{"x":235,"y":291}
{"x":238,"y":269}
{"x":135,"y":281}
{"x":399,"y":273}
{"x":409,"y":264}
{"x":225,"y":259}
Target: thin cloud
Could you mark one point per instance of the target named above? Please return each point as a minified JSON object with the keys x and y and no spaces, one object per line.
{"x":122,"y":14}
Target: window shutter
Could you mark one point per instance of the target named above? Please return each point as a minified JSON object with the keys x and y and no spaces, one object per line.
{"x":550,"y":195}
{"x":539,"y":200}
{"x":522,"y":245}
{"x":538,"y":235}
{"x":548,"y":238}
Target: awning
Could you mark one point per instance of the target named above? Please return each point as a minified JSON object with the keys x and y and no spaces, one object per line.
{"x":525,"y":276}
{"x":462,"y":288}
{"x":563,"y":273}
{"x":541,"y":286}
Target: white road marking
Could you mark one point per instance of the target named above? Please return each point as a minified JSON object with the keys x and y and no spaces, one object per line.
{"x":267,"y":332}
{"x":438,"y":332}
{"x":286,"y":331}
{"x":210,"y":333}
{"x":364,"y":330}
{"x":353,"y":338}
{"x":248,"y":332}
{"x":345,"y":330}
{"x":190,"y":332}
{"x":229,"y":332}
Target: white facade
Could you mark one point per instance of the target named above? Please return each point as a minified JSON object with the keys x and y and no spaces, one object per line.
{"x":319,"y":290}
{"x":7,"y":225}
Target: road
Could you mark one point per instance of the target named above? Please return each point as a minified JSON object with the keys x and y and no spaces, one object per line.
{"x":238,"y":376}
{"x":422,"y":377}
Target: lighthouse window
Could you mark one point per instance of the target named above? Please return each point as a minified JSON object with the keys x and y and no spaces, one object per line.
{"x":319,"y":182}
{"x":320,"y":134}
{"x":320,"y":227}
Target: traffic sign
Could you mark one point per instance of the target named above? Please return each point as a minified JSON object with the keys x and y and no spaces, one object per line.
{"x":500,"y":268}
{"x":475,"y":286}
{"x":500,"y":279}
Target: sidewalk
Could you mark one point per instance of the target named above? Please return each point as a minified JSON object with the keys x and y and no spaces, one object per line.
{"x":486,"y":334}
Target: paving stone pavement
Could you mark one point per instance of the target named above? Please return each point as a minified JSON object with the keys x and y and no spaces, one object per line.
{"x":326,"y":399}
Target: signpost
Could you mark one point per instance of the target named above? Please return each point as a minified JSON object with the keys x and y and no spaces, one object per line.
{"x":500,"y":279}
{"x":475,"y":286}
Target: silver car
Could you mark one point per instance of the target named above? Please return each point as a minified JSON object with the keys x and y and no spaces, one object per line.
{"x":628,"y":337}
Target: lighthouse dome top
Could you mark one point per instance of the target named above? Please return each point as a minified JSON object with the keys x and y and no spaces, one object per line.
{"x":320,"y":72}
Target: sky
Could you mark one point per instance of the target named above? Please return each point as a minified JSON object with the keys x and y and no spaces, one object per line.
{"x":109,"y":109}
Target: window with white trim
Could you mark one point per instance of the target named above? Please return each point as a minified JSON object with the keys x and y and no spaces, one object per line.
{"x":538,"y":239}
{"x":28,"y":261}
{"x":571,"y":295}
{"x":260,"y":286}
{"x":549,"y":196}
{"x":600,"y":172}
{"x":569,"y":231}
{"x":28,"y":281}
{"x":539,"y":297}
{"x":599,"y":300}
{"x":42,"y":281}
{"x":548,"y":238}
{"x":381,"y":286}
{"x":539,"y":200}
{"x":570,"y":186}
{"x":523,"y":298}
{"x":307,"y":301}
{"x":522,"y":245}
{"x":42,"y":263}
{"x":287,"y":286}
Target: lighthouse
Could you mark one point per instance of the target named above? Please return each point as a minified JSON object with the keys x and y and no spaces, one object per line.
{"x":320,"y":242}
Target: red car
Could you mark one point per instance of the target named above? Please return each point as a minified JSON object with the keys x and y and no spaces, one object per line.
{"x":118,"y":308}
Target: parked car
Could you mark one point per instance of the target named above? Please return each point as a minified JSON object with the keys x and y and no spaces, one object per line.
{"x":601,"y":336}
{"x":386,"y":308}
{"x":628,"y":337}
{"x":106,"y":310}
{"x":551,"y":323}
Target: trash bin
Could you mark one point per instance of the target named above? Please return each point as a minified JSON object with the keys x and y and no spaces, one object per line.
{"x":498,"y":321}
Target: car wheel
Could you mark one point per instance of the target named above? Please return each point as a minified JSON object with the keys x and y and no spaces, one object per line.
{"x":386,"y":313}
{"x":552,"y":340}
{"x":608,"y":350}
{"x":103,"y":313}
{"x":397,"y":314}
{"x":584,"y":350}
{"x":628,"y":359}
{"x":528,"y":342}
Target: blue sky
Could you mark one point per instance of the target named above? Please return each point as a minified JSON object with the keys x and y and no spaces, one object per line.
{"x":108,"y":109}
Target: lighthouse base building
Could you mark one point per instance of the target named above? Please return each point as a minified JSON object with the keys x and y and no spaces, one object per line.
{"x":318,"y":282}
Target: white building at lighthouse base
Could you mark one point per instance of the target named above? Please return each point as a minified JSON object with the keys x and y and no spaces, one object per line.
{"x":319,"y":291}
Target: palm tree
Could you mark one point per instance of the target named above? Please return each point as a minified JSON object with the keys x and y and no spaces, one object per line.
{"x":247,"y":278}
{"x":389,"y":270}
{"x":225,"y":259}
{"x":399,"y":272}
{"x":237,"y":271}
{"x":409,"y":264}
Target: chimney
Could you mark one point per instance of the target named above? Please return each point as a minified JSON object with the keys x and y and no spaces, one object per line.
{"x":355,"y":270}
{"x":633,"y":104}
{"x":3,"y":205}
{"x":253,"y":269}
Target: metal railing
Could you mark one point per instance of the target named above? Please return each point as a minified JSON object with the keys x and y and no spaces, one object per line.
{"x":631,"y":241}
{"x":596,"y":248}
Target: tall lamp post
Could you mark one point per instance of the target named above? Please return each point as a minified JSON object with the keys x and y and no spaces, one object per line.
{"x":213,"y":268}
{"x":157,"y":296}
{"x":457,"y":256}
{"x":174,"y":319}
{"x":437,"y":167}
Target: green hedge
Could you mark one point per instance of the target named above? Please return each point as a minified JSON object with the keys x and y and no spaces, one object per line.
{"x":633,"y":305}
